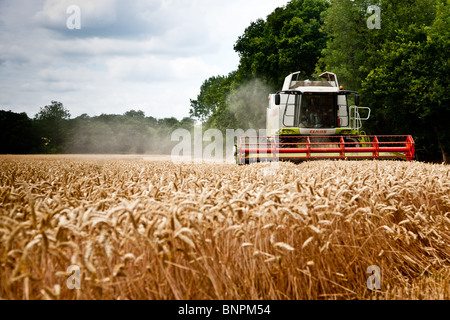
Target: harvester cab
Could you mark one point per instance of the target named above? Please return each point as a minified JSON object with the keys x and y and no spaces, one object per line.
{"x":317,"y":108}
{"x":309,"y":120}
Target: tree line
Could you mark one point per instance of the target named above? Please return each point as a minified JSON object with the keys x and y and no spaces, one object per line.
{"x":52,"y":130}
{"x":401,"y":68}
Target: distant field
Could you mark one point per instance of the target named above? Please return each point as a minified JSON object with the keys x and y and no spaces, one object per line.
{"x":142,"y":227}
{"x":146,"y":157}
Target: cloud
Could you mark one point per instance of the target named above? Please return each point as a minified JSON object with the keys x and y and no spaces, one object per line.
{"x":158,"y":69}
{"x":153,"y":55}
{"x":145,"y":69}
{"x":100,"y":18}
{"x":118,"y":19}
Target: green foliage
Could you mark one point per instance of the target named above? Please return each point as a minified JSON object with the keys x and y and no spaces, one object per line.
{"x":131,"y":132}
{"x":212,"y":97}
{"x":185,"y":123}
{"x":211,"y":106}
{"x":352,"y":49}
{"x":346,"y":50}
{"x":135,"y":114}
{"x":408,"y":89}
{"x":401,"y":69}
{"x":18,"y":134}
{"x":52,"y":122}
{"x":53,"y":112}
{"x":289,"y":40}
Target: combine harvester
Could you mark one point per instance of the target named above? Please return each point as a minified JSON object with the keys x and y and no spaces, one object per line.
{"x":311,"y":120}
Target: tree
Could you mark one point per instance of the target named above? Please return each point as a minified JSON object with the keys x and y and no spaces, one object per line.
{"x":18,"y":134}
{"x":289,"y":40}
{"x":168,"y":123}
{"x":52,"y":121}
{"x":352,"y":49}
{"x":409,"y":87}
{"x":346,"y":51}
{"x":151,"y":121}
{"x":211,"y":106}
{"x":135,"y":114}
{"x":131,"y":132}
{"x":400,"y":68}
{"x":185,"y":123}
{"x":91,"y":136}
{"x":212,"y":97}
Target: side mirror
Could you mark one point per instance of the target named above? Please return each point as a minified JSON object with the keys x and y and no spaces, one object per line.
{"x":357,"y":99}
{"x":277,"y":99}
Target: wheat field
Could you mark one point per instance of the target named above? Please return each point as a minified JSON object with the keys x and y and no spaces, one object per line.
{"x":148,"y":228}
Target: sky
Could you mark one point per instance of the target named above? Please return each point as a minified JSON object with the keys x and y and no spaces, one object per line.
{"x":112,"y":56}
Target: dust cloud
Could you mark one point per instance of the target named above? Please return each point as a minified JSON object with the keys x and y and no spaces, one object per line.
{"x":249,"y":102}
